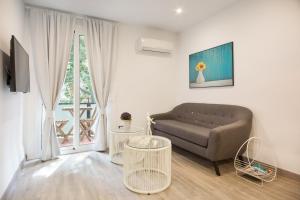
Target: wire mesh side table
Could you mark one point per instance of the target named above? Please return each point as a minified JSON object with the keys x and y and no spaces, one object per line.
{"x":118,"y":137}
{"x":147,"y":164}
{"x":250,"y":164}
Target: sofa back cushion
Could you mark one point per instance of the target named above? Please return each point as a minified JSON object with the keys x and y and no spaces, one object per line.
{"x":210,"y":115}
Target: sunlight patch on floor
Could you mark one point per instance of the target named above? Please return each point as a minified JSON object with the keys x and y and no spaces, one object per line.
{"x":49,"y":169}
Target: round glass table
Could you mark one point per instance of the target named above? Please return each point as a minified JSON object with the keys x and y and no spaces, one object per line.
{"x":147,"y":164}
{"x":118,"y":137}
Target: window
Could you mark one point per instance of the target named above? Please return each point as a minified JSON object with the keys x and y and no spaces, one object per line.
{"x":76,"y":110}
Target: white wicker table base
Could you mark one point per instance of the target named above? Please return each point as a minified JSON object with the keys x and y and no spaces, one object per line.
{"x":147,"y":169}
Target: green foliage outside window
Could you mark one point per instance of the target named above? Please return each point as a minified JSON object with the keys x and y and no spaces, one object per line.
{"x":86,"y":91}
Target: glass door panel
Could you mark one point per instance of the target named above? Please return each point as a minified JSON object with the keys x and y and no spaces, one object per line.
{"x":88,"y":109}
{"x":64,"y":113}
{"x":76,"y":110}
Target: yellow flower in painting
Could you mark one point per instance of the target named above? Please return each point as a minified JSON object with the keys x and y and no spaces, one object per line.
{"x":201,"y":66}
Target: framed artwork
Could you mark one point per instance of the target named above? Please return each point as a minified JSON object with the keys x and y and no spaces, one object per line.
{"x":212,"y":67}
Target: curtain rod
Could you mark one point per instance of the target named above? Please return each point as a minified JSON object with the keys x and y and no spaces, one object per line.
{"x":79,"y":16}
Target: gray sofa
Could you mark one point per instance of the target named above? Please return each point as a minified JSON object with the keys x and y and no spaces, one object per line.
{"x":213,"y":131}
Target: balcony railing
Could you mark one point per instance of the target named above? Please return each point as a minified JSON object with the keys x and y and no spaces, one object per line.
{"x":64,"y":115}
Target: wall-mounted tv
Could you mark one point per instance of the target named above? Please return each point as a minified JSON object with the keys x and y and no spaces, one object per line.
{"x":18,"y":73}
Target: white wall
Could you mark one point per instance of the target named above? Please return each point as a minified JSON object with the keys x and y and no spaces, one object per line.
{"x":144,"y":82}
{"x":266,"y":37}
{"x":11,"y":149}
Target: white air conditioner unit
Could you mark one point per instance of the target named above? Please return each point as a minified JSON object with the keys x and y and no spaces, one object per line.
{"x":149,"y":44}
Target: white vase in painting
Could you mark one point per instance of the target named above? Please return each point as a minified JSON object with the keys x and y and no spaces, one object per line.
{"x":200,"y":78}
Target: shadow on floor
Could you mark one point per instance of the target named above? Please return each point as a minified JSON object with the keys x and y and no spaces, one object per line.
{"x":224,"y":166}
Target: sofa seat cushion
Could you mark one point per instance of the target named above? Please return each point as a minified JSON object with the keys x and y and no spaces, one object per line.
{"x":192,"y":133}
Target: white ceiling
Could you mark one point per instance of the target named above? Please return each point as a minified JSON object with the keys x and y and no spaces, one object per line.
{"x":156,"y":13}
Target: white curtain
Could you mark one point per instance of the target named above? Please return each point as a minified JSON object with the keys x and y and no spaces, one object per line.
{"x":51,"y":38}
{"x":101,"y":39}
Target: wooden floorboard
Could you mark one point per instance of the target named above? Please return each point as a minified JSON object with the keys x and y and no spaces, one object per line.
{"x":92,"y":176}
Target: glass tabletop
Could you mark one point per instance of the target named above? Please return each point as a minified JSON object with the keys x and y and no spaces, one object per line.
{"x":126,"y":129}
{"x":148,"y":142}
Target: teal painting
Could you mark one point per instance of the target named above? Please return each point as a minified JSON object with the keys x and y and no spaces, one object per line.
{"x":212,"y":67}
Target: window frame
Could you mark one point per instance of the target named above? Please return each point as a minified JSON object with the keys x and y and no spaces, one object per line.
{"x":76,"y":146}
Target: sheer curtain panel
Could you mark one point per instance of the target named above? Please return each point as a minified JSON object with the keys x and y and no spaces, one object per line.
{"x":101,"y":45}
{"x":51,"y":34}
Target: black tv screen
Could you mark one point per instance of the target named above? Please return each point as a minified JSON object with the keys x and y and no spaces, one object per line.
{"x":19,"y":67}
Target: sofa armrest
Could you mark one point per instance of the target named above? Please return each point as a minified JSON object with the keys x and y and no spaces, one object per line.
{"x":166,"y":115}
{"x":162,"y":116}
{"x":224,"y":141}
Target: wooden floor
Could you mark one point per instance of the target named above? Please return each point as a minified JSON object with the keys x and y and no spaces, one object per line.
{"x":91,"y":176}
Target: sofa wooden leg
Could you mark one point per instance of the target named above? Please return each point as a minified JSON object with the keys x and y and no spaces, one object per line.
{"x":241,"y":158}
{"x":216,"y":168}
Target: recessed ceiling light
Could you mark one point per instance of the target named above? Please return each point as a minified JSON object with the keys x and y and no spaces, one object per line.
{"x":178,"y":11}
